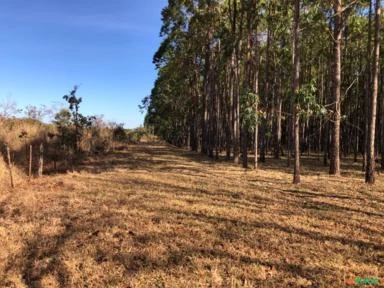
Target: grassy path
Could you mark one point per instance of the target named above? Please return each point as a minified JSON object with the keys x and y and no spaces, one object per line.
{"x":154,"y":216}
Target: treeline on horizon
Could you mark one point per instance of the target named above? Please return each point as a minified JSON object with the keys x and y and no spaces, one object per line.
{"x":280,"y":76}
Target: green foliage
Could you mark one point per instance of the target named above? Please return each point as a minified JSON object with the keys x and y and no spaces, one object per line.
{"x":119,"y":133}
{"x":70,"y":123}
{"x":75,"y":122}
{"x":135,"y":135}
{"x":73,"y":101}
{"x":307,"y":102}
{"x":64,"y":124}
{"x":248,"y":109}
{"x":209,"y":53}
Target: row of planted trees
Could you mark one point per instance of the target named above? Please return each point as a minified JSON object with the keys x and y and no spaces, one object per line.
{"x":287,"y":76}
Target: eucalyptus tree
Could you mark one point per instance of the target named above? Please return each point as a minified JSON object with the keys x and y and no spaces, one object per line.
{"x":336,"y":90}
{"x":296,"y":88}
{"x":370,"y":169}
{"x":221,"y":61}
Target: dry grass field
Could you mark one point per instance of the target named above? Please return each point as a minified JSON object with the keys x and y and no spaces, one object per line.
{"x":156,"y":216}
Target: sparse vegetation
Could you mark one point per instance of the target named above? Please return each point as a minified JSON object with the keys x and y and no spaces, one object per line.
{"x":68,"y":140}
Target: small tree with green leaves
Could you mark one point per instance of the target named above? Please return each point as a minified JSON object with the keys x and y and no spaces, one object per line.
{"x":64,"y":124}
{"x":306,"y":106}
{"x":74,"y":106}
{"x":249,"y":121}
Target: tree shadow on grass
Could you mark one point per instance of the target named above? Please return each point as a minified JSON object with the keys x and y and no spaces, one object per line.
{"x":142,"y":158}
{"x":42,"y":258}
{"x":43,"y":254}
{"x":311,"y":166}
{"x":220,"y":196}
{"x":309,"y":194}
{"x":344,"y":240}
{"x":182,"y":256}
{"x":333,"y":207}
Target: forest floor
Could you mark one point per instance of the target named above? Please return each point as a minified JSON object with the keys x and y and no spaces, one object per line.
{"x":156,"y":216}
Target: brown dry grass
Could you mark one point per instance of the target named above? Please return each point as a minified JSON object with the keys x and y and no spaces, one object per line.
{"x":11,"y":129}
{"x":154,"y":216}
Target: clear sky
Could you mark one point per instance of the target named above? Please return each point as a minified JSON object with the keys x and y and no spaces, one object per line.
{"x":106,"y":46}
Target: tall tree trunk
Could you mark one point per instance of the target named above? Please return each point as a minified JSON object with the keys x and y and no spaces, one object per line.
{"x":367,"y":87}
{"x":256,"y":90}
{"x":370,"y":169}
{"x":267,"y":88}
{"x":235,"y":87}
{"x":335,"y":145}
{"x":236,"y":118}
{"x":279,"y":104}
{"x":229,"y":121}
{"x":244,"y":139}
{"x":246,"y":84}
{"x":382,"y":124}
{"x":204,"y":129}
{"x":296,"y":87}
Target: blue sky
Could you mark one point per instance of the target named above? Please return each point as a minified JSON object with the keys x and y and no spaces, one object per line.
{"x":106,"y":46}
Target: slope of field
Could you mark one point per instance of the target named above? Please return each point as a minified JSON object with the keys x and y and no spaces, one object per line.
{"x":155,"y":216}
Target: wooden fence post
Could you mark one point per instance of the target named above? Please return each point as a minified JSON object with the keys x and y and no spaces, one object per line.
{"x":10,"y":166}
{"x":30,"y":162}
{"x":41,"y":160}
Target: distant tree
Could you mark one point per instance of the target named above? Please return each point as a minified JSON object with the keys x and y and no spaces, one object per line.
{"x":8,"y":108}
{"x":74,"y":106}
{"x":37,"y":113}
{"x":119,"y":133}
{"x":64,"y":124}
